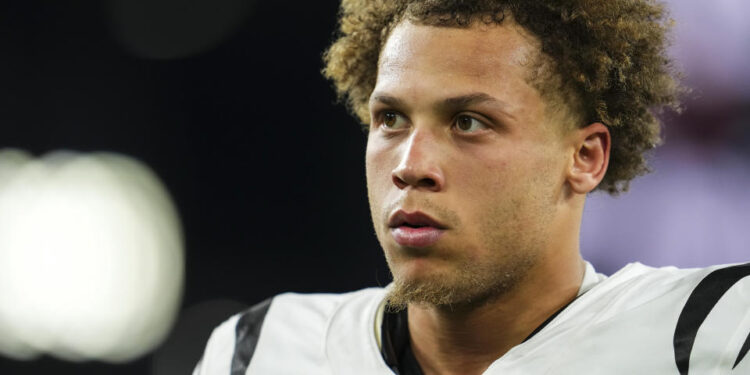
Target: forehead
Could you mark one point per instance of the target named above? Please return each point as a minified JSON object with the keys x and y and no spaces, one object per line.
{"x":421,"y":61}
{"x":481,"y":50}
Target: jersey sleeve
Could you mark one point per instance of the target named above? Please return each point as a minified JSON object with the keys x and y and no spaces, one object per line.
{"x":232,"y":344}
{"x":713,"y":328}
{"x":219,"y":350}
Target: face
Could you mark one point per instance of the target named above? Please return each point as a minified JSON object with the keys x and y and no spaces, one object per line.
{"x":464,"y":170}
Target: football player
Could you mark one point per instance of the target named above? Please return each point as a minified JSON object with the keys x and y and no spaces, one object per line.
{"x":489,"y":122}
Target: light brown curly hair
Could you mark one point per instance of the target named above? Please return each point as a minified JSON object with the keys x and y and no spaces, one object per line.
{"x":609,"y":56}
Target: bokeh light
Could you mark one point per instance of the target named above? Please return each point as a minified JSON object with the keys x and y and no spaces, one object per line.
{"x":91,"y":257}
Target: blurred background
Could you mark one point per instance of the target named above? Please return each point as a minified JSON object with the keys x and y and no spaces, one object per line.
{"x":211,"y":119}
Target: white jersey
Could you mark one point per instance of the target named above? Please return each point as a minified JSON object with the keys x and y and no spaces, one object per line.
{"x":641,"y":320}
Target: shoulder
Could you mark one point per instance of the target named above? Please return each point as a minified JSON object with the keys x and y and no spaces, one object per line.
{"x":640,"y":283}
{"x":648,"y":320}
{"x":700,"y":315}
{"x":286,"y":322}
{"x":683,"y":292}
{"x":715,"y":314}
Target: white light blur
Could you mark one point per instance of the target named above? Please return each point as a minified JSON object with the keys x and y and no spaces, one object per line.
{"x":91,"y":257}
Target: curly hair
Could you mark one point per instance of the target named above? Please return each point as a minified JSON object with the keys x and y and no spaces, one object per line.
{"x":607,"y":56}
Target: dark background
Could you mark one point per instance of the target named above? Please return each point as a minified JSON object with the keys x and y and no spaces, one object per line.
{"x":266,"y":171}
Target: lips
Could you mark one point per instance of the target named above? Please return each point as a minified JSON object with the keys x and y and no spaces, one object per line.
{"x":415,"y":229}
{"x":414,"y":219}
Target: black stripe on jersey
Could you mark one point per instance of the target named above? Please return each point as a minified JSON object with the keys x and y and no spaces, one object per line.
{"x":247,"y":334}
{"x":743,"y":351}
{"x":700,"y":303}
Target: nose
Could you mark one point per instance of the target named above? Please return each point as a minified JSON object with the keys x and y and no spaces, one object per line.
{"x":419,"y":167}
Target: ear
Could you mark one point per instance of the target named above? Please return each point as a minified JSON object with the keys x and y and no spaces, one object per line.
{"x":591,"y":158}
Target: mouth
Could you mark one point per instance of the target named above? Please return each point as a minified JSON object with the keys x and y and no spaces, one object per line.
{"x":415,"y":229}
{"x":415,"y":219}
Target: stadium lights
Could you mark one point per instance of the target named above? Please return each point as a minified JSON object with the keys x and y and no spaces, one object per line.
{"x":91,"y":257}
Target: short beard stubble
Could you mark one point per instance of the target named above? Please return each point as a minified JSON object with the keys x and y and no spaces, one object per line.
{"x":472,"y":283}
{"x":514,"y":234}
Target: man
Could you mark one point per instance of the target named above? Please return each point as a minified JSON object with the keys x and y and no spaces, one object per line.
{"x":488,"y":124}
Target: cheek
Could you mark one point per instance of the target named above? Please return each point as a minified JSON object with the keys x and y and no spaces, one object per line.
{"x":496,"y":189}
{"x":381,"y":158}
{"x":378,"y":172}
{"x":376,"y":167}
{"x":479,"y":187}
{"x":478,"y":177}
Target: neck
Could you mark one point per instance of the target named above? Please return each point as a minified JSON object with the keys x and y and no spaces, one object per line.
{"x":467,"y":340}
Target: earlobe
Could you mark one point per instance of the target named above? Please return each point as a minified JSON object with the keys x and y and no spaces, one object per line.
{"x":591,"y":157}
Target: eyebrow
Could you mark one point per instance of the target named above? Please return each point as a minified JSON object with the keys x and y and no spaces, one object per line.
{"x":387,"y":99}
{"x":449,"y":104}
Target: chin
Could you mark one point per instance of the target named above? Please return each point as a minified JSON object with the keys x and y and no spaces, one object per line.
{"x":414,"y":266}
{"x":458,"y":283}
{"x":421,"y":281}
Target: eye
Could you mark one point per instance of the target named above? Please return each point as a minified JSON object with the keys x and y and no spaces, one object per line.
{"x":393,"y":120}
{"x":468,"y":124}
